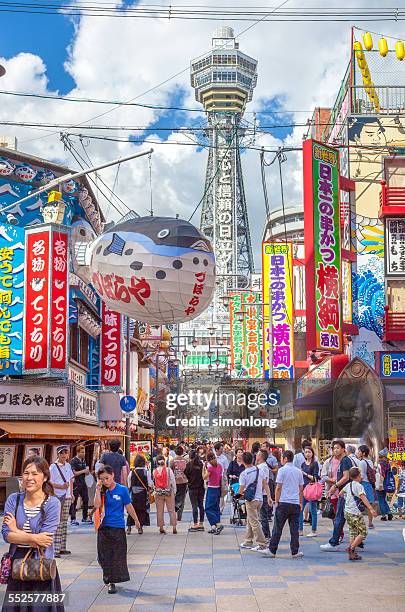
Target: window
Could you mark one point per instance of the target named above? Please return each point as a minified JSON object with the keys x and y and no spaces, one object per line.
{"x":84,"y":348}
{"x":74,"y":344}
{"x":79,"y":345}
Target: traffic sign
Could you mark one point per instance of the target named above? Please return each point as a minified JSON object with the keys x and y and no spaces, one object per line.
{"x":128,"y":403}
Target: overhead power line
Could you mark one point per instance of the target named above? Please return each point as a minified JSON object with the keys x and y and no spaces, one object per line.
{"x":99,"y":9}
{"x":137,"y":104}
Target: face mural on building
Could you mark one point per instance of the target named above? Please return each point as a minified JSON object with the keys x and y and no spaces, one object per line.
{"x":370,"y":139}
{"x":358,"y":405}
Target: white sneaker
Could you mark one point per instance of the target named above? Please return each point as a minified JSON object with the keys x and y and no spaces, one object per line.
{"x":298,"y":555}
{"x":267,"y":553}
{"x":259,"y":548}
{"x":329,"y":548}
{"x":244,"y":545}
{"x":312,"y":534}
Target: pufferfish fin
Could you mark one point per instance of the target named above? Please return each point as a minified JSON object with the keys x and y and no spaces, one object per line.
{"x":116,"y":246}
{"x":200,"y":246}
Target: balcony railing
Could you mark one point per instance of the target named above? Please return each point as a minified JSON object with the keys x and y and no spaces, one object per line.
{"x":391,"y":100}
{"x":394,"y":325}
{"x":392,"y":200}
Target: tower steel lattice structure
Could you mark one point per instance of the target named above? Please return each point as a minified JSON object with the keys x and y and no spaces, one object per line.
{"x":224,"y":79}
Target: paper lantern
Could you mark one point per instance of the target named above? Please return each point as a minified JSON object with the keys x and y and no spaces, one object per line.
{"x":154,"y":269}
{"x":400,"y":50}
{"x":368,"y":41}
{"x":383,"y":46}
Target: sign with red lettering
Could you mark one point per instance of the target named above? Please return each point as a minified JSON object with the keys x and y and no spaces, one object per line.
{"x":36,"y":303}
{"x":59,"y":300}
{"x":111,"y":348}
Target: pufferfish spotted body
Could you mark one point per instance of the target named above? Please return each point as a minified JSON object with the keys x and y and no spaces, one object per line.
{"x":154,"y":269}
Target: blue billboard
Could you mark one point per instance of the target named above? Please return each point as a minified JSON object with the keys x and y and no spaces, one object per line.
{"x":11,"y":298}
{"x":392,"y":365}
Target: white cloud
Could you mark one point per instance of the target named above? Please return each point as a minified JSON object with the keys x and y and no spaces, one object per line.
{"x":300,"y":64}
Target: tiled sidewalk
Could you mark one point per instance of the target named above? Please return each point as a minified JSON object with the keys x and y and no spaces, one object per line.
{"x":201,"y":572}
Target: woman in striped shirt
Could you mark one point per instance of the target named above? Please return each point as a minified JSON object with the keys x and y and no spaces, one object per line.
{"x":30,"y":521}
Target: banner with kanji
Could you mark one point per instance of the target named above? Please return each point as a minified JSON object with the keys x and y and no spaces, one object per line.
{"x":111,"y":348}
{"x":278,"y":311}
{"x":37,"y":300}
{"x":12,"y":270}
{"x":322,"y":247}
{"x":236,"y":333}
{"x":46,"y":304}
{"x":252,"y":335}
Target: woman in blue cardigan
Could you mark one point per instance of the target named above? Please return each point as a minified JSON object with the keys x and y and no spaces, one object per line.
{"x":30,"y":521}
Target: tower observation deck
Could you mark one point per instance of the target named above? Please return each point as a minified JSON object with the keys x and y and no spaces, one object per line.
{"x":224,"y":79}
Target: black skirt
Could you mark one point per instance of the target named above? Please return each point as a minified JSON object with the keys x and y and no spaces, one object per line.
{"x":33,"y":586}
{"x":112,"y":554}
{"x":140,"y":502}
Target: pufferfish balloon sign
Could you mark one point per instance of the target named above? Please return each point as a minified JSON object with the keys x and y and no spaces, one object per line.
{"x":154,"y":269}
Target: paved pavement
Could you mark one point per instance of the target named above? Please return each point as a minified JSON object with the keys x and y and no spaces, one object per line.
{"x":202,"y":572}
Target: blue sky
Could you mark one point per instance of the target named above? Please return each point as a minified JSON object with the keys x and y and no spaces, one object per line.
{"x":45,"y":35}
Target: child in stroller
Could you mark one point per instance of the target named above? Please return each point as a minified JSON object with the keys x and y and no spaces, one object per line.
{"x":238,"y":506}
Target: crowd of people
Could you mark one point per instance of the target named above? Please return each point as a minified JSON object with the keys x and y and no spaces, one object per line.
{"x":266,"y":488}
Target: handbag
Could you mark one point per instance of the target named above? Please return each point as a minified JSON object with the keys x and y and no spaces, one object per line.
{"x":328,"y":511}
{"x":7,"y":560}
{"x":163,"y":490}
{"x":34,"y":569}
{"x":358,"y":501}
{"x":151,"y":495}
{"x":250,"y":490}
{"x":313,"y":491}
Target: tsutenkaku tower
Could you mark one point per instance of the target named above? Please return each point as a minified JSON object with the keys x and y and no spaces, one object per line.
{"x":224,"y":79}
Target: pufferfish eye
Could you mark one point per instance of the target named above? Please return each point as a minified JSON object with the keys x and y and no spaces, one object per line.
{"x":163,"y":233}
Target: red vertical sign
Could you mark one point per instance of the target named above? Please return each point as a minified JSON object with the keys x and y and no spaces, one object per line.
{"x":59,"y":300}
{"x":36,"y":303}
{"x":110,"y":347}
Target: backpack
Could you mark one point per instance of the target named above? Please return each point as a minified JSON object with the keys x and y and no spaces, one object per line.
{"x":389,"y":482}
{"x":371,"y":474}
{"x":250,"y":490}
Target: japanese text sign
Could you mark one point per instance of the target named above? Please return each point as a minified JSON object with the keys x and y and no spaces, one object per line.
{"x":59,"y":300}
{"x":236,"y":335}
{"x":252,"y":335}
{"x":11,"y":298}
{"x":111,"y":348}
{"x":278,"y":315}
{"x":392,"y":365}
{"x":395,"y":246}
{"x":37,"y":300}
{"x":322,"y":247}
{"x":34,"y":401}
{"x":46,"y":300}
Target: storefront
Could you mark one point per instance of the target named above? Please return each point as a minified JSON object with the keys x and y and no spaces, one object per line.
{"x":391,"y":368}
{"x":37,"y":415}
{"x":312,"y":412}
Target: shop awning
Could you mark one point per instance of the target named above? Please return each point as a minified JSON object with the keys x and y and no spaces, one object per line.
{"x":52,"y":430}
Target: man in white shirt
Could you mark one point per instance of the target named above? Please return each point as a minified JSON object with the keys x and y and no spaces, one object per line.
{"x":62,"y":478}
{"x":288,"y":502}
{"x":223,"y":460}
{"x":252,"y":475}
